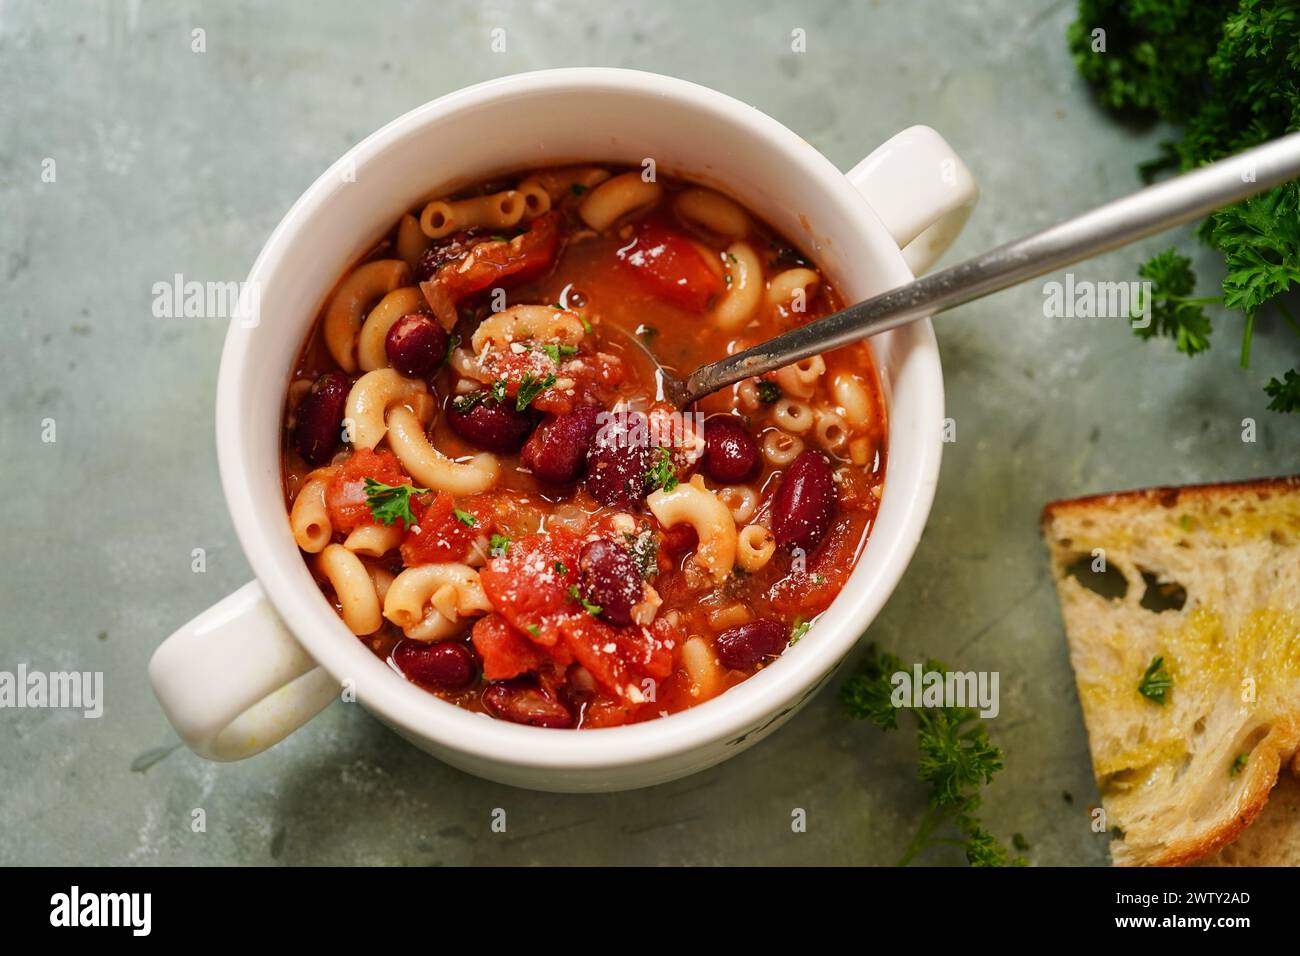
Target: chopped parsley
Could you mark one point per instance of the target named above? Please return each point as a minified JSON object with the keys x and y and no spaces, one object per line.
{"x":554,"y":351}
{"x":499,"y":390}
{"x":499,"y":546}
{"x":560,"y":568}
{"x":798,"y":631}
{"x":388,"y":503}
{"x":464,"y":517}
{"x":463,"y":403}
{"x":530,"y":388}
{"x":1239,"y":764}
{"x":534,"y":630}
{"x":577,"y":189}
{"x":662,"y":474}
{"x":592,"y":609}
{"x":452,"y":341}
{"x":769,"y":393}
{"x":1156,"y":682}
{"x":586,"y":326}
{"x":645,"y":552}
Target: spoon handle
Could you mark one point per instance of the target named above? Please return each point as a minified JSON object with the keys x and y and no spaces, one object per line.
{"x":1136,"y":216}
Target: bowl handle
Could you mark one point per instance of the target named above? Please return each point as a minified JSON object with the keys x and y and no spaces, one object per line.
{"x":921,"y":190}
{"x":233,"y":681}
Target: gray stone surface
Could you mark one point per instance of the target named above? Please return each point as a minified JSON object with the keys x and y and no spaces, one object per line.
{"x":171,"y":161}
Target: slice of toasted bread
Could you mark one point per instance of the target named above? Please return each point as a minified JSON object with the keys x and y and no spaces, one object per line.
{"x":1207,"y":578}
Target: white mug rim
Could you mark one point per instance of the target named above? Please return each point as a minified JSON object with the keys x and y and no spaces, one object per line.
{"x":413,"y":710}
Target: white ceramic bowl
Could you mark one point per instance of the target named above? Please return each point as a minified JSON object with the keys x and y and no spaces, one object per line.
{"x":266,"y":659}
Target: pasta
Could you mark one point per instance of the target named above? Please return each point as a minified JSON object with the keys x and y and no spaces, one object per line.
{"x":744,"y":288}
{"x":430,"y":467}
{"x":370,"y":343}
{"x":741,"y":501}
{"x":800,"y":379}
{"x":713,"y":211}
{"x":354,"y":588}
{"x":615,"y":198}
{"x":374,"y":395}
{"x":702,"y":668}
{"x":412,"y":243}
{"x":829,"y":429}
{"x":570,"y":180}
{"x":793,"y":289}
{"x":364,"y":286}
{"x":495,"y":211}
{"x":310,"y":519}
{"x":754,"y":547}
{"x":542,"y":323}
{"x":852,"y":397}
{"x":429,"y":601}
{"x":374,"y":540}
{"x":536,"y":199}
{"x":792,"y":415}
{"x":781,"y":448}
{"x":692,"y":503}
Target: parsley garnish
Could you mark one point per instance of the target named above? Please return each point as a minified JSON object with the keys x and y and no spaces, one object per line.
{"x":464,"y":403}
{"x":534,"y":630}
{"x":592,"y":609}
{"x":577,"y":189}
{"x":586,"y":326}
{"x":1239,"y":764}
{"x":387,"y":503}
{"x":662,"y":474}
{"x":645,"y":552}
{"x":499,"y":390}
{"x":530,"y":388}
{"x":464,"y":517}
{"x":560,"y":568}
{"x":769,"y":393}
{"x":554,"y":351}
{"x":499,"y":546}
{"x":956,"y":760}
{"x":1156,"y":682}
{"x":1223,"y":76}
{"x":798,"y":631}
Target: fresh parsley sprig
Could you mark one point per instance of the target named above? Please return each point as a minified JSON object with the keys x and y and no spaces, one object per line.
{"x":956,"y":760}
{"x":388,"y":503}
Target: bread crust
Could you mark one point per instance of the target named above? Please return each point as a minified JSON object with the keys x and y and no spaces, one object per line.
{"x":1169,"y":496}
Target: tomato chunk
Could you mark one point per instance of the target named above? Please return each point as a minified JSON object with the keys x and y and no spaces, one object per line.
{"x":441,"y":535}
{"x":505,"y":651}
{"x":811,"y":591}
{"x":345,"y":496}
{"x":669,"y":266}
{"x":494,"y":263}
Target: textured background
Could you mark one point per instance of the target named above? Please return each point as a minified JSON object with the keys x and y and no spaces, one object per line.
{"x":170,"y":161}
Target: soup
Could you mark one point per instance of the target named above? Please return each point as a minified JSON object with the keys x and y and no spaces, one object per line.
{"x":487,"y":484}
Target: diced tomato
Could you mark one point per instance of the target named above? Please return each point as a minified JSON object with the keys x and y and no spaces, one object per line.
{"x":439,"y":535}
{"x":529,"y":586}
{"x":505,"y":651}
{"x":501,"y":263}
{"x":345,"y":496}
{"x":670,"y":266}
{"x":811,"y":591}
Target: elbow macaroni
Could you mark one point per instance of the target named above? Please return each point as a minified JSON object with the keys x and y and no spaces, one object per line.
{"x":713,"y":211}
{"x":354,"y":588}
{"x":501,"y":210}
{"x":744,"y":288}
{"x":371,"y":353}
{"x":615,"y":198}
{"x":695,"y":505}
{"x":520,"y":323}
{"x":364,"y":286}
{"x":309,"y":519}
{"x":374,"y":396}
{"x":429,"y":601}
{"x":430,"y":467}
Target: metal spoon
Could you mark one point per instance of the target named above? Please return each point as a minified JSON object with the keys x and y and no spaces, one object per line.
{"x":1151,"y":210}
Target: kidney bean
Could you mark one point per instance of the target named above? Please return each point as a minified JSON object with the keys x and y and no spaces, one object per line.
{"x":416,"y":345}
{"x":447,"y":665}
{"x":619,"y":460}
{"x":805,"y":503}
{"x":455,"y":246}
{"x":742,"y":647}
{"x":730,"y":452}
{"x":523,"y":702}
{"x":557,"y":449}
{"x":320,"y":418}
{"x":487,"y":423}
{"x":609,"y":577}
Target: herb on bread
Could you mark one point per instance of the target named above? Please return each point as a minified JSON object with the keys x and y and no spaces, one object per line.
{"x":1156,"y":682}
